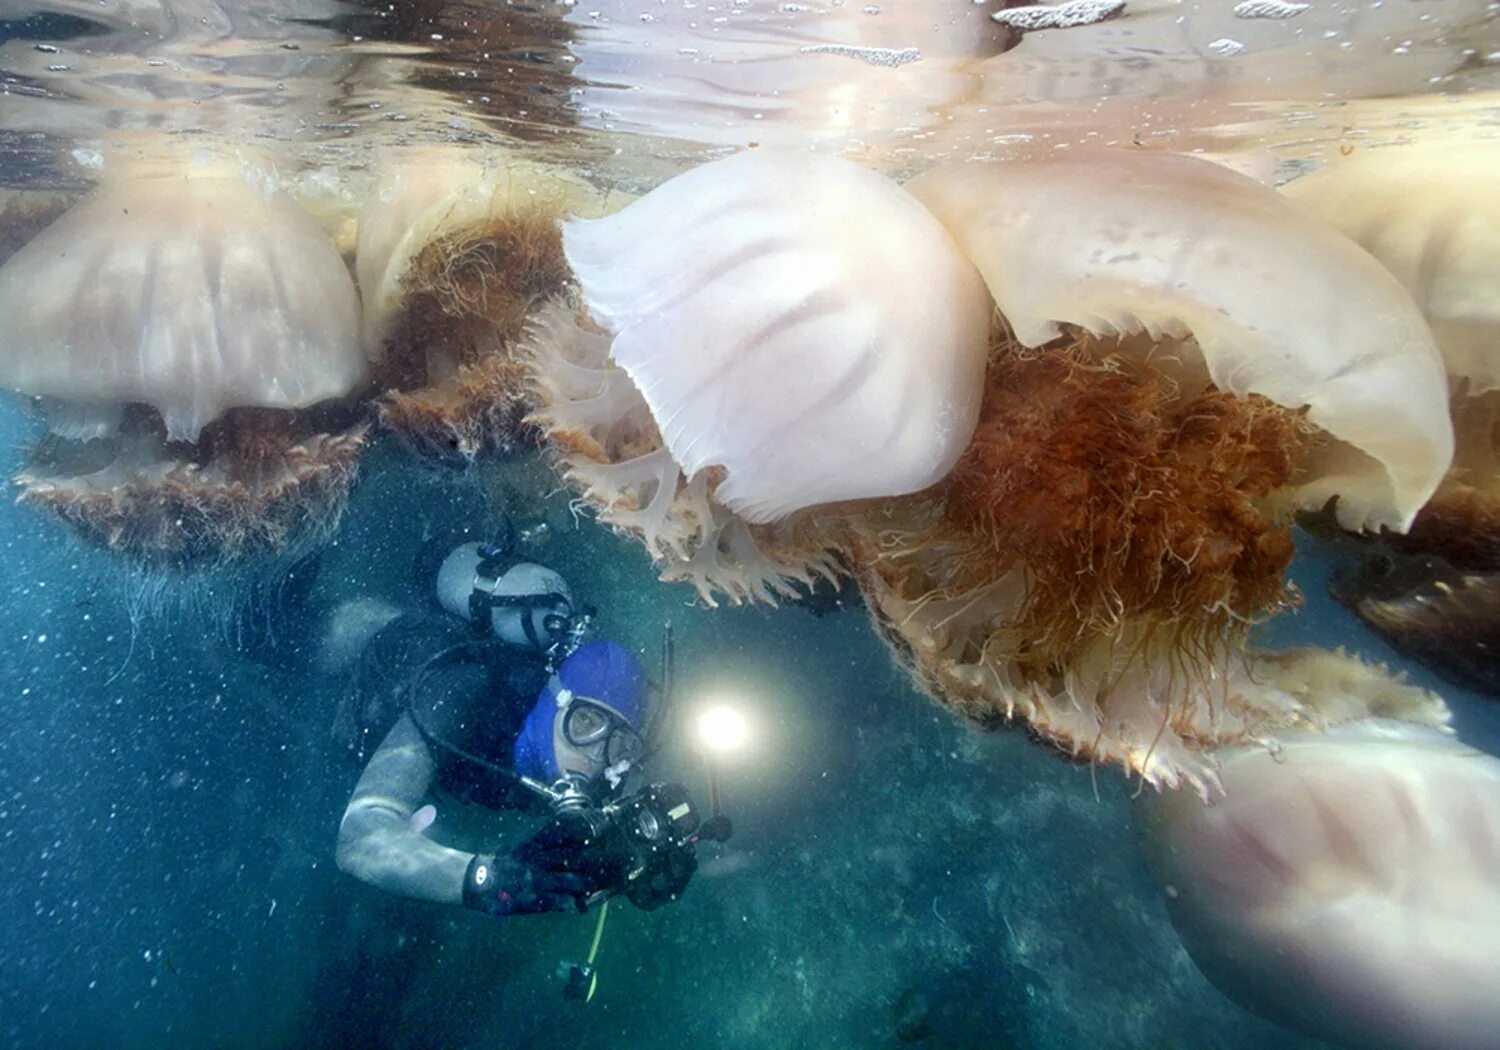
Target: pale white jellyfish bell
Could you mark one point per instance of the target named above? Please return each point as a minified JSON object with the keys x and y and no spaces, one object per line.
{"x":193,"y":292}
{"x":1280,"y":304}
{"x":800,"y":321}
{"x":1431,"y":215}
{"x":1347,"y":885}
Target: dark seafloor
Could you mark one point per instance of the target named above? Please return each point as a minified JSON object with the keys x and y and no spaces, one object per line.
{"x":168,"y":810}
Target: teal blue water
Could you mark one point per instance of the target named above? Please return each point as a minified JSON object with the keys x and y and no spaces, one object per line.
{"x":168,"y":809}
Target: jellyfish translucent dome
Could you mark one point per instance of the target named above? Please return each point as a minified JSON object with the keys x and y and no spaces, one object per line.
{"x":799,"y":321}
{"x":192,"y":293}
{"x":1119,"y":242}
{"x":1347,"y":885}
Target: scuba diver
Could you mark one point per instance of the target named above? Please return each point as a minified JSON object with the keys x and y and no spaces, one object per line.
{"x":499,"y":703}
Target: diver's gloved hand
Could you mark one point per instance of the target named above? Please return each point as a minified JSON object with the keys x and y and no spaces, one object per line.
{"x":570,"y":844}
{"x":500,"y":884}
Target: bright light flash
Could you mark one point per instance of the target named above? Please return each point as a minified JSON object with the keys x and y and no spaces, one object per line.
{"x":721,"y":728}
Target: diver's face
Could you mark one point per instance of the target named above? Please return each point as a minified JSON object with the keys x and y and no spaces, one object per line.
{"x":588,"y":738}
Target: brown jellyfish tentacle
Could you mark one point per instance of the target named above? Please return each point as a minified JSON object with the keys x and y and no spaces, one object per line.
{"x":448,"y":312}
{"x":1097,"y":558}
{"x":1132,"y":700}
{"x":265,"y":491}
{"x":1126,"y":496}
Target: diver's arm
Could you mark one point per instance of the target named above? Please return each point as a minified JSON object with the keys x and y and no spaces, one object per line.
{"x":376,"y":841}
{"x":377,"y":844}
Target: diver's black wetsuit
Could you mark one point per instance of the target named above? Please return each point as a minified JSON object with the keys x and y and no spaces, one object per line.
{"x":458,"y":701}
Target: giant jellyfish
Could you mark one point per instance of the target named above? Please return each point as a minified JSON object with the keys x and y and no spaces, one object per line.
{"x":1074,"y":518}
{"x":826,"y":343}
{"x":191,"y":337}
{"x":1346,"y":883}
{"x":1435,"y":591}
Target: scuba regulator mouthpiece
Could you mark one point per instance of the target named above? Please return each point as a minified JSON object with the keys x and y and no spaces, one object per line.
{"x":567,"y":631}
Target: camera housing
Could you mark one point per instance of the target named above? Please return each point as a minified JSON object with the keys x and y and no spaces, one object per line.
{"x":642,"y":846}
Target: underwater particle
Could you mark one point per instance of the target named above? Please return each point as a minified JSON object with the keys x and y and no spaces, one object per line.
{"x":825,"y":344}
{"x":1429,"y":611}
{"x":453,"y":255}
{"x":1060,"y":16}
{"x":189,"y":338}
{"x":1346,"y":883}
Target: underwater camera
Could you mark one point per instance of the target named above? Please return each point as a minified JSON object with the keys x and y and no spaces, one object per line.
{"x":641,"y":846}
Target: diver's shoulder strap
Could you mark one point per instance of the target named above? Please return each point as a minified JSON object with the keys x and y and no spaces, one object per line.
{"x":479,"y":651}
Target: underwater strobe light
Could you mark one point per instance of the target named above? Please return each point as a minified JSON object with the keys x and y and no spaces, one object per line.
{"x":721,"y":728}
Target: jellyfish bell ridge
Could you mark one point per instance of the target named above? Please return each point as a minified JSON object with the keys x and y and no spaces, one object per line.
{"x":181,"y":293}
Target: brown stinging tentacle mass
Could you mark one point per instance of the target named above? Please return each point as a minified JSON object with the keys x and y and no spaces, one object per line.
{"x":454,"y":385}
{"x":1128,"y":498}
{"x":260,"y":482}
{"x":1093,"y":564}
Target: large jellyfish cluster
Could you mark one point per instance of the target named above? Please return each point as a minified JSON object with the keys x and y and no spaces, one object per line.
{"x":1053,"y":404}
{"x":211,"y":354}
{"x":1056,"y":418}
{"x":1067,"y":497}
